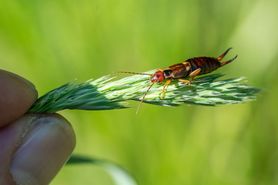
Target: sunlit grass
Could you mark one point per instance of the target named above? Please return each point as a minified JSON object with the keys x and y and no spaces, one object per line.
{"x":105,"y":93}
{"x":53,"y":42}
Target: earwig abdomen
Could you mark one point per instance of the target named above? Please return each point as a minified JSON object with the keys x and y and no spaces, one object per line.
{"x":206,"y":64}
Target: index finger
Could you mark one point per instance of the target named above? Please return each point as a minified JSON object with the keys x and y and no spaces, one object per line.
{"x":16,"y":96}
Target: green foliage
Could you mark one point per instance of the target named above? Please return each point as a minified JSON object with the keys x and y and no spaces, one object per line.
{"x":53,"y":42}
{"x":119,"y":175}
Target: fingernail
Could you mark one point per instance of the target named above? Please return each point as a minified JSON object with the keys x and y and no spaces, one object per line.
{"x":17,"y":96}
{"x":44,"y":151}
{"x":25,"y":81}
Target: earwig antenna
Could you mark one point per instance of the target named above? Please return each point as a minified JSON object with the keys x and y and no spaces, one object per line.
{"x":143,"y":98}
{"x":135,"y":73}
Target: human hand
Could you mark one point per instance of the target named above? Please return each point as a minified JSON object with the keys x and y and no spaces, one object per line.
{"x":33,"y":147}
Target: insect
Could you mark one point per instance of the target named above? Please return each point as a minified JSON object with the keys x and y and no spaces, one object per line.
{"x":185,"y":71}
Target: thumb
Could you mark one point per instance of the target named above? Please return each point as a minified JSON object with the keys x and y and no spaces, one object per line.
{"x":34,"y":148}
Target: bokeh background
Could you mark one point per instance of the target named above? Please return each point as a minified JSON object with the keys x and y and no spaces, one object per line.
{"x":54,"y":42}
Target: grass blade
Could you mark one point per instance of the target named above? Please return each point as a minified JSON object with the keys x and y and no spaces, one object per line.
{"x":107,"y":93}
{"x":119,"y":175}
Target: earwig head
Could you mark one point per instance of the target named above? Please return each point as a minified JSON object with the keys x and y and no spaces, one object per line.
{"x":158,"y":76}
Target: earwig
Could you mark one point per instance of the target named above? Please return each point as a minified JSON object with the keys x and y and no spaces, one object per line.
{"x":189,"y":68}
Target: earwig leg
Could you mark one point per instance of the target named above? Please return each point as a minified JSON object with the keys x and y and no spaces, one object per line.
{"x":195,"y":73}
{"x":223,"y":54}
{"x":192,"y":75}
{"x":186,"y":82}
{"x":163,"y":92}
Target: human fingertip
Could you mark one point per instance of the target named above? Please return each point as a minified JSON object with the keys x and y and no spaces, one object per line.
{"x":17,"y":96}
{"x":44,"y":151}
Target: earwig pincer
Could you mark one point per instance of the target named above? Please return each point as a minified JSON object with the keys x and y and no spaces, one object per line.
{"x":185,"y":71}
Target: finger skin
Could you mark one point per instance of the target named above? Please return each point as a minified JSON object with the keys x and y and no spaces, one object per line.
{"x":16,"y":97}
{"x":34,"y":148}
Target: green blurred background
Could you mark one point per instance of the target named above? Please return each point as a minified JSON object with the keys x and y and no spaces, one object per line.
{"x":54,"y":42}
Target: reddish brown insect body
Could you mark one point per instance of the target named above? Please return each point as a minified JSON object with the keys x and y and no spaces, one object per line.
{"x":190,"y":68}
